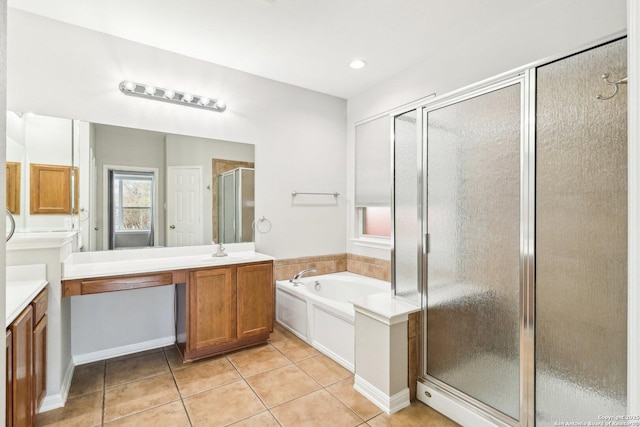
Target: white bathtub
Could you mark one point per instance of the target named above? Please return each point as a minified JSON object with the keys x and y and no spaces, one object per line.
{"x":320,"y":312}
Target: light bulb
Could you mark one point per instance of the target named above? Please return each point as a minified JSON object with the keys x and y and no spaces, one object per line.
{"x":149,"y":90}
{"x":187,"y":97}
{"x":220,"y":104}
{"x":130,"y":86}
{"x":204,"y":101}
{"x":169,"y":94}
{"x":357,"y":64}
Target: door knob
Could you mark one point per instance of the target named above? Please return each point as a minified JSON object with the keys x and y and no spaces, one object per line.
{"x":173,"y":227}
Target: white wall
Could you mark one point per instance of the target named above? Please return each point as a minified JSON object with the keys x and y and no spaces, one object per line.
{"x":189,"y":151}
{"x":3,"y":199}
{"x":520,"y":40}
{"x":65,"y":71}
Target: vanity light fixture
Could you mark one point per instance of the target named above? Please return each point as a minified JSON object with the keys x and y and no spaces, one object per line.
{"x":167,"y":95}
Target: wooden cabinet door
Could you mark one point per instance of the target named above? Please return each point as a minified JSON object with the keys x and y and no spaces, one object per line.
{"x":9,"y":402}
{"x":22,"y":331}
{"x":211,"y":308}
{"x":39,"y":362}
{"x":255,"y":299}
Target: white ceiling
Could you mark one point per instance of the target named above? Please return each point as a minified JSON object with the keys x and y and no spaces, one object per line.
{"x":306,"y":43}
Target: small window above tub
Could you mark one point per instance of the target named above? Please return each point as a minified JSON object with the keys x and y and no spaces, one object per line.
{"x":373,"y":182}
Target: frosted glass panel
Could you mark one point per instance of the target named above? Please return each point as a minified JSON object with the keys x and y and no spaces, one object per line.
{"x":581,"y":245}
{"x":408,"y":216}
{"x":473,"y":323}
{"x":247,"y":204}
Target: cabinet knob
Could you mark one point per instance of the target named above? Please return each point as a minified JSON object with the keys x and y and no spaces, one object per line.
{"x":173,"y":227}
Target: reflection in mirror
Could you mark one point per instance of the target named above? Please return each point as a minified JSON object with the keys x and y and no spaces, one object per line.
{"x":185,"y":194}
{"x":183,"y":210}
{"x":236,"y":206}
{"x":39,"y":164}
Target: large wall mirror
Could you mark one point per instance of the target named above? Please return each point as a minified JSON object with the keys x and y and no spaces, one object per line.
{"x":127,"y":188}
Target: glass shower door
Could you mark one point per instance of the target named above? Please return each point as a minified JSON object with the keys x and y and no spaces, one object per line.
{"x":473,"y":264}
{"x":581,"y":239}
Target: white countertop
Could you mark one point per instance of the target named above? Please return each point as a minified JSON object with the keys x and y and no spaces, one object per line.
{"x":384,"y":307}
{"x":24,"y":283}
{"x":40,"y":239}
{"x":81,"y":265}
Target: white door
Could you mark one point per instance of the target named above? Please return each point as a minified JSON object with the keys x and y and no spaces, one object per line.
{"x":184,"y":206}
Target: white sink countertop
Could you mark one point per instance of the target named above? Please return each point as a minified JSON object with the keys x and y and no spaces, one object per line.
{"x":24,"y":283}
{"x":81,"y":265}
{"x":22,"y":240}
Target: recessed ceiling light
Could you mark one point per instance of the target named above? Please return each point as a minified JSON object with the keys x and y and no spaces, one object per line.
{"x":357,"y":64}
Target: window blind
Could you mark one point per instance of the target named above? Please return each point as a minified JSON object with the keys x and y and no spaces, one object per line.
{"x":373,"y":163}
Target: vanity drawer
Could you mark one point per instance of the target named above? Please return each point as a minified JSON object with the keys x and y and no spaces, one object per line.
{"x":39,"y":304}
{"x":117,"y":283}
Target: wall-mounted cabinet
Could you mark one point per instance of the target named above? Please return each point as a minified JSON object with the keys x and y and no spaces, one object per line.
{"x":224,"y":308}
{"x":51,"y":189}
{"x":13,"y":187}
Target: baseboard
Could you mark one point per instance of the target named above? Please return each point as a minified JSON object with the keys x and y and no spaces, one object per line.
{"x":58,"y":400}
{"x":81,"y":359}
{"x":389,"y":404}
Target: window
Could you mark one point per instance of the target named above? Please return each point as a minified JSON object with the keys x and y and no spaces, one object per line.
{"x":376,"y":221}
{"x":132,"y":201}
{"x":373,"y":181}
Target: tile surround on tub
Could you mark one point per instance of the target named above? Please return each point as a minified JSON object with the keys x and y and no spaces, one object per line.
{"x":370,"y":267}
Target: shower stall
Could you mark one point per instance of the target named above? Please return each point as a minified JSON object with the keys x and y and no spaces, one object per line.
{"x":236,"y":209}
{"x":520,"y":248}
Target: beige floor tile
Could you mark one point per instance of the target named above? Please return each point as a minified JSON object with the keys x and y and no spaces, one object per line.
{"x":316,"y":409}
{"x":130,"y":398}
{"x":223,"y":405}
{"x":170,"y":415}
{"x":174,"y":358}
{"x":87,"y":378}
{"x":282,"y":384}
{"x":204,"y":376}
{"x":324,"y":370}
{"x":280,"y":334}
{"x":416,"y":415}
{"x":81,"y":411}
{"x":135,"y":368}
{"x":257,"y":359}
{"x":296,"y":349}
{"x":359,"y":404}
{"x":263,"y":419}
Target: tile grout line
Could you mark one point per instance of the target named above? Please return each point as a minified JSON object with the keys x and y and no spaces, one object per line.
{"x":175,"y":382}
{"x":104,"y":391}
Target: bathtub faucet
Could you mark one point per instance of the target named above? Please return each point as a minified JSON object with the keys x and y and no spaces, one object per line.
{"x":295,"y":280}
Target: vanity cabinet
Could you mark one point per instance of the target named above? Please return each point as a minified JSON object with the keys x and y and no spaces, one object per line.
{"x":26,"y":354}
{"x":39,"y":306}
{"x":221,"y":309}
{"x":9,"y":377}
{"x":212,"y":309}
{"x":22,"y":361}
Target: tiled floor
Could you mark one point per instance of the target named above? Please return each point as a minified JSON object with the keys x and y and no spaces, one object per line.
{"x":284,"y":383}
